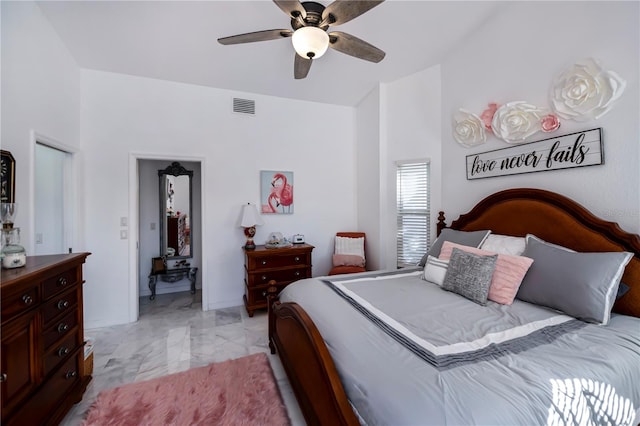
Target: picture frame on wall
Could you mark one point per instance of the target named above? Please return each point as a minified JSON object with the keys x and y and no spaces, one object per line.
{"x":276,"y":192}
{"x":7,"y":177}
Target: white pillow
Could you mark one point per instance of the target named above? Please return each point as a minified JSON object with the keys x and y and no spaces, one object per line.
{"x":504,"y":244}
{"x":434,"y":270}
{"x":348,"y":245}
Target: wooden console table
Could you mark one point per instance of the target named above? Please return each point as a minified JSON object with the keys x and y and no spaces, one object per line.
{"x":171,"y":276}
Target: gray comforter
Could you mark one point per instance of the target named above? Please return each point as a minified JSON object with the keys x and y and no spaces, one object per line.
{"x":410,"y":353}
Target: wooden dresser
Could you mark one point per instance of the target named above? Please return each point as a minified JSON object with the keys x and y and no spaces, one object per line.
{"x":284,"y":265}
{"x":42,"y":339}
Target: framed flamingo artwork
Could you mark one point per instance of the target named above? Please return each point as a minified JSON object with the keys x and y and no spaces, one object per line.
{"x":276,"y":192}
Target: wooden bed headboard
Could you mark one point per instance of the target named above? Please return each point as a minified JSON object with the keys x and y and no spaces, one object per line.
{"x":559,"y":220}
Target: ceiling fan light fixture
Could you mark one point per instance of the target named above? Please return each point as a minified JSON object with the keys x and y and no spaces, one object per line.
{"x":310,"y":42}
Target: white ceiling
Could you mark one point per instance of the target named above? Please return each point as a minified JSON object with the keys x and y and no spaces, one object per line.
{"x":177,"y":41}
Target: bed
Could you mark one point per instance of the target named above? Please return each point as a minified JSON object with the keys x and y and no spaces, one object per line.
{"x":388,"y":347}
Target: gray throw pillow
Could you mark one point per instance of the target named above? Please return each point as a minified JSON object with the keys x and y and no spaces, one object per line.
{"x":583,"y":285}
{"x":469,"y":275}
{"x":465,"y":238}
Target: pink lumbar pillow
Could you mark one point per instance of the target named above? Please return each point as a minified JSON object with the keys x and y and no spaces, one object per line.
{"x":348,"y":260}
{"x":507,"y":277}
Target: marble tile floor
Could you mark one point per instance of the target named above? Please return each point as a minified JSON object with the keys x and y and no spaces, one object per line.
{"x":173,"y":334}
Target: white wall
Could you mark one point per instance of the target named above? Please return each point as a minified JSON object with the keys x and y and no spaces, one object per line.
{"x":412,"y":116}
{"x":515,"y":57}
{"x":368,"y":177}
{"x":40,"y":93}
{"x":123,"y":114}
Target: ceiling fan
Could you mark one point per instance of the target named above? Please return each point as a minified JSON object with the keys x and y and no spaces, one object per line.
{"x":310,"y":22}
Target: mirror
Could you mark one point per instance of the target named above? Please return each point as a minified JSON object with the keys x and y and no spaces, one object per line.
{"x":176,"y":236}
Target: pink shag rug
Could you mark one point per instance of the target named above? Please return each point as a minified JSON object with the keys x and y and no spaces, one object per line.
{"x":240,"y":391}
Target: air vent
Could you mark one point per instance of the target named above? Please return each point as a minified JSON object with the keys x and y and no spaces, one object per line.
{"x":244,"y":106}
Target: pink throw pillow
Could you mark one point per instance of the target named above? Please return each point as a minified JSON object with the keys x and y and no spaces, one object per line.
{"x":348,"y":260}
{"x":507,"y":277}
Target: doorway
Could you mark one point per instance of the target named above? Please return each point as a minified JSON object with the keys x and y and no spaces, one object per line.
{"x":53,"y":199}
{"x":149,"y":217}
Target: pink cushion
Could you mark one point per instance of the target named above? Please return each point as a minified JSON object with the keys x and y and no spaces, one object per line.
{"x":348,"y":260}
{"x":507,"y":277}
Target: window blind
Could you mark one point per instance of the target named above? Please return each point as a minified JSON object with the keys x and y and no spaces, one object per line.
{"x":413,"y":230}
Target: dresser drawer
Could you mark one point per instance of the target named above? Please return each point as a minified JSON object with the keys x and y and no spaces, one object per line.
{"x":56,"y":306}
{"x":277,"y":261}
{"x":60,"y":352}
{"x":60,"y":328}
{"x":19,"y":302}
{"x":59,"y":282}
{"x":282,"y":275}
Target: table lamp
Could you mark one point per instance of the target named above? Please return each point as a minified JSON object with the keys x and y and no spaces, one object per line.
{"x":250,"y":219}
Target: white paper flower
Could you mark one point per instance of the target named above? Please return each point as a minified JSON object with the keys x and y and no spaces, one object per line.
{"x":468,"y":129}
{"x":515,"y":121}
{"x":585,"y":91}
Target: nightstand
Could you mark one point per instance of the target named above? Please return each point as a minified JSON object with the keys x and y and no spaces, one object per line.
{"x":283,"y":265}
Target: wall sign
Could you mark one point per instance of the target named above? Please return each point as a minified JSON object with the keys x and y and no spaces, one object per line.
{"x":578,"y":149}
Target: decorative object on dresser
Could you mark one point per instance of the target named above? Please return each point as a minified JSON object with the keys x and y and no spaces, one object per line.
{"x":13,"y":255}
{"x":265,"y":268}
{"x":42,"y":339}
{"x":249,"y":220}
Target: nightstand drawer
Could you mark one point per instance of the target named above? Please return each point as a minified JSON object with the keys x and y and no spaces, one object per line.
{"x":278,"y":261}
{"x":282,"y":275}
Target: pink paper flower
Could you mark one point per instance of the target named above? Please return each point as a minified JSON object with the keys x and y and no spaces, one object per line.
{"x":487,"y":116}
{"x":549,"y":123}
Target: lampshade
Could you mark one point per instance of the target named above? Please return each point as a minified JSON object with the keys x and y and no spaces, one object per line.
{"x":310,"y":42}
{"x":250,"y":216}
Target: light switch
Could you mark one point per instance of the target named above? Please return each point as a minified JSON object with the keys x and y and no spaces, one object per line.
{"x":123,"y":234}
{"x":39,"y":238}
{"x":123,"y":221}
{"x":153,"y":226}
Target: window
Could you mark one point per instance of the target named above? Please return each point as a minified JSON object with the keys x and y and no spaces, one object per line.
{"x":412,"y":211}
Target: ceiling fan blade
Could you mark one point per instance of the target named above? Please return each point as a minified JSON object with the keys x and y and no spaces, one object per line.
{"x":301,"y":67}
{"x":352,"y":45}
{"x":341,"y":11}
{"x":255,"y":36}
{"x":293,"y":8}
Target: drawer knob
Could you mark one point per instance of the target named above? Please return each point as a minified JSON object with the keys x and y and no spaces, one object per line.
{"x":62,"y":281}
{"x":264,"y":293}
{"x":264,"y":278}
{"x":70,"y":375}
{"x":62,"y":327}
{"x":27,"y":300}
{"x":297,"y":259}
{"x":297,"y":274}
{"x":3,"y":377}
{"x":264,"y":262}
{"x":63,"y":351}
{"x":63,"y":304}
